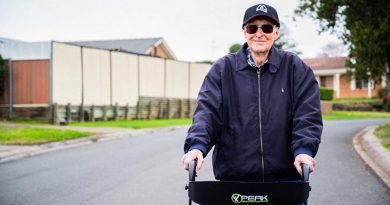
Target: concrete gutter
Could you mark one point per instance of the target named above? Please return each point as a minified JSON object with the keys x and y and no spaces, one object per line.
{"x":370,"y":149}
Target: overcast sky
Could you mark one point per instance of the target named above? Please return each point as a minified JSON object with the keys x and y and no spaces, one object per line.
{"x":195,"y":30}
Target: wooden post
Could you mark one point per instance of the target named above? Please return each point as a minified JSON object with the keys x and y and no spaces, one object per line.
{"x":104,"y":113}
{"x":116,"y":112}
{"x":138,"y":110}
{"x":68,"y":113}
{"x":160,"y":109}
{"x":127,"y":111}
{"x":92,"y":115}
{"x":55,"y":114}
{"x":181,"y":108}
{"x":81,"y":113}
{"x":189,"y":108}
{"x":150,"y":109}
{"x":168,"y":109}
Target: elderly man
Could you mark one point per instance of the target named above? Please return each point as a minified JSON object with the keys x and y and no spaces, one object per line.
{"x":259,"y":107}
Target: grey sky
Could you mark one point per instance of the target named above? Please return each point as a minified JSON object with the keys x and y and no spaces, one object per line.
{"x":194,"y":29}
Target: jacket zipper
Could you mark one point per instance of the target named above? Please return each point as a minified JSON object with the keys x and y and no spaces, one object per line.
{"x":261,"y":136}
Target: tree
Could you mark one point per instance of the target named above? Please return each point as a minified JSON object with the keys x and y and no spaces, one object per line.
{"x":234,"y":48}
{"x":333,"y":49}
{"x":2,"y":76}
{"x":284,"y":42}
{"x":363,"y":25}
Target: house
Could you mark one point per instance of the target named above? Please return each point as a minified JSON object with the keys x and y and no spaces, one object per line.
{"x":331,"y":72}
{"x":144,"y":46}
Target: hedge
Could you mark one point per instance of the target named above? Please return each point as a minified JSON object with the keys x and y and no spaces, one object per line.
{"x":326,"y":93}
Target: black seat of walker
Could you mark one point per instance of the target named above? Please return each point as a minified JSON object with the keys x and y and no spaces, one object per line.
{"x":233,"y":192}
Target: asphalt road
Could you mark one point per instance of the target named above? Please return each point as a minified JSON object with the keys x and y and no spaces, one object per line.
{"x":146,"y":170}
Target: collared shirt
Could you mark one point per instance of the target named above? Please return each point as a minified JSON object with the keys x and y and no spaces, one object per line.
{"x":250,"y":60}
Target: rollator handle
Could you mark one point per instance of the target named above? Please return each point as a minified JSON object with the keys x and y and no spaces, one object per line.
{"x":191,"y":170}
{"x":305,"y":172}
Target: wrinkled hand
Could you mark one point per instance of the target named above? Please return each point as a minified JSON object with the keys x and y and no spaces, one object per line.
{"x":306,"y":159}
{"x":194,"y":154}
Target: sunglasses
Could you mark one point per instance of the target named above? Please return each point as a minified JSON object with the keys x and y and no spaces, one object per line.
{"x":252,"y":29}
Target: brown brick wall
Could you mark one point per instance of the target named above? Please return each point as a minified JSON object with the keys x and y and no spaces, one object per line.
{"x":346,"y":92}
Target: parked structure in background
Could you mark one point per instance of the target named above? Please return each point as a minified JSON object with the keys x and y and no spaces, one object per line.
{"x":84,"y":83}
{"x":144,"y":46}
{"x":331,"y":72}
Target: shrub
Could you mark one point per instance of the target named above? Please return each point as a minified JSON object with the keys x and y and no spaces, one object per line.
{"x":384,"y":95}
{"x":326,"y":93}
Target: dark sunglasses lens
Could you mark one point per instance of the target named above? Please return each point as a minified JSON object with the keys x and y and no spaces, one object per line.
{"x":267,"y":28}
{"x":251,"y":29}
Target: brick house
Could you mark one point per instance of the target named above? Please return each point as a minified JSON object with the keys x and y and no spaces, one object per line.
{"x":331,"y":72}
{"x":144,"y":46}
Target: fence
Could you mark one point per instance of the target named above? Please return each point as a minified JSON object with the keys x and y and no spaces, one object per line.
{"x":96,"y":81}
{"x":147,"y":108}
{"x":99,"y":77}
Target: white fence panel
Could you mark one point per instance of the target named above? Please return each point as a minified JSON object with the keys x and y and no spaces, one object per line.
{"x":151,"y":76}
{"x":97,"y":86}
{"x":124,"y":78}
{"x":198,"y":72}
{"x":67,"y":80}
{"x":177,"y":76}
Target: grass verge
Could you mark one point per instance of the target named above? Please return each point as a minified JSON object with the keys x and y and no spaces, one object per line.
{"x":383,"y":133}
{"x":34,"y":136}
{"x":28,"y":122}
{"x":349,"y":115}
{"x":356,"y":100}
{"x":135,"y":124}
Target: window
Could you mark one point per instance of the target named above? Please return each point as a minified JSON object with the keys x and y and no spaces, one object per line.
{"x":361,"y":84}
{"x":323,"y":81}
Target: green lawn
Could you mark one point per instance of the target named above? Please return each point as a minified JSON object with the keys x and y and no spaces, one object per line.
{"x":31,"y":136}
{"x":383,"y":132}
{"x":29,"y":122}
{"x":356,"y":100}
{"x":348,"y":115}
{"x":135,"y":124}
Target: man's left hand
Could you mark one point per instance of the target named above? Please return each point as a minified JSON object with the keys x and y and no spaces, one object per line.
{"x":306,"y":159}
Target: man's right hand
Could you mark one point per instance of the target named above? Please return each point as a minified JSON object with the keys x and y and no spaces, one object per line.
{"x":194,"y":154}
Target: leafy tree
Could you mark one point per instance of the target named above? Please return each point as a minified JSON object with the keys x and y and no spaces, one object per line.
{"x":234,"y":48}
{"x":2,"y":76}
{"x":284,"y":42}
{"x":333,"y":49}
{"x":363,"y":25}
{"x":206,"y":61}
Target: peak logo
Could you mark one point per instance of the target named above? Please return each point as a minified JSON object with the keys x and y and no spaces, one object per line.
{"x":238,"y":198}
{"x":262,"y":8}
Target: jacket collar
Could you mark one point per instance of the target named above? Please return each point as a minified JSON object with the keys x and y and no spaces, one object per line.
{"x":273,"y":59}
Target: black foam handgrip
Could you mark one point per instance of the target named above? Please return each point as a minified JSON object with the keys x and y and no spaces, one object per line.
{"x":191,"y":170}
{"x":305,"y":172}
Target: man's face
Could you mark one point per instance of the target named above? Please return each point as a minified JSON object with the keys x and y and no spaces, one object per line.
{"x":261,"y":42}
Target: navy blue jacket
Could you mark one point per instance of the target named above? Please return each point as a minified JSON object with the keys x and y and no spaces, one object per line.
{"x":257,"y":119}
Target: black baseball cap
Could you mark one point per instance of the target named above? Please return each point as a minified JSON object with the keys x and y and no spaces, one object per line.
{"x":261,"y":11}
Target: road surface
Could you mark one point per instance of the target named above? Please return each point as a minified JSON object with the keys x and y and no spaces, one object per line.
{"x":146,"y":170}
